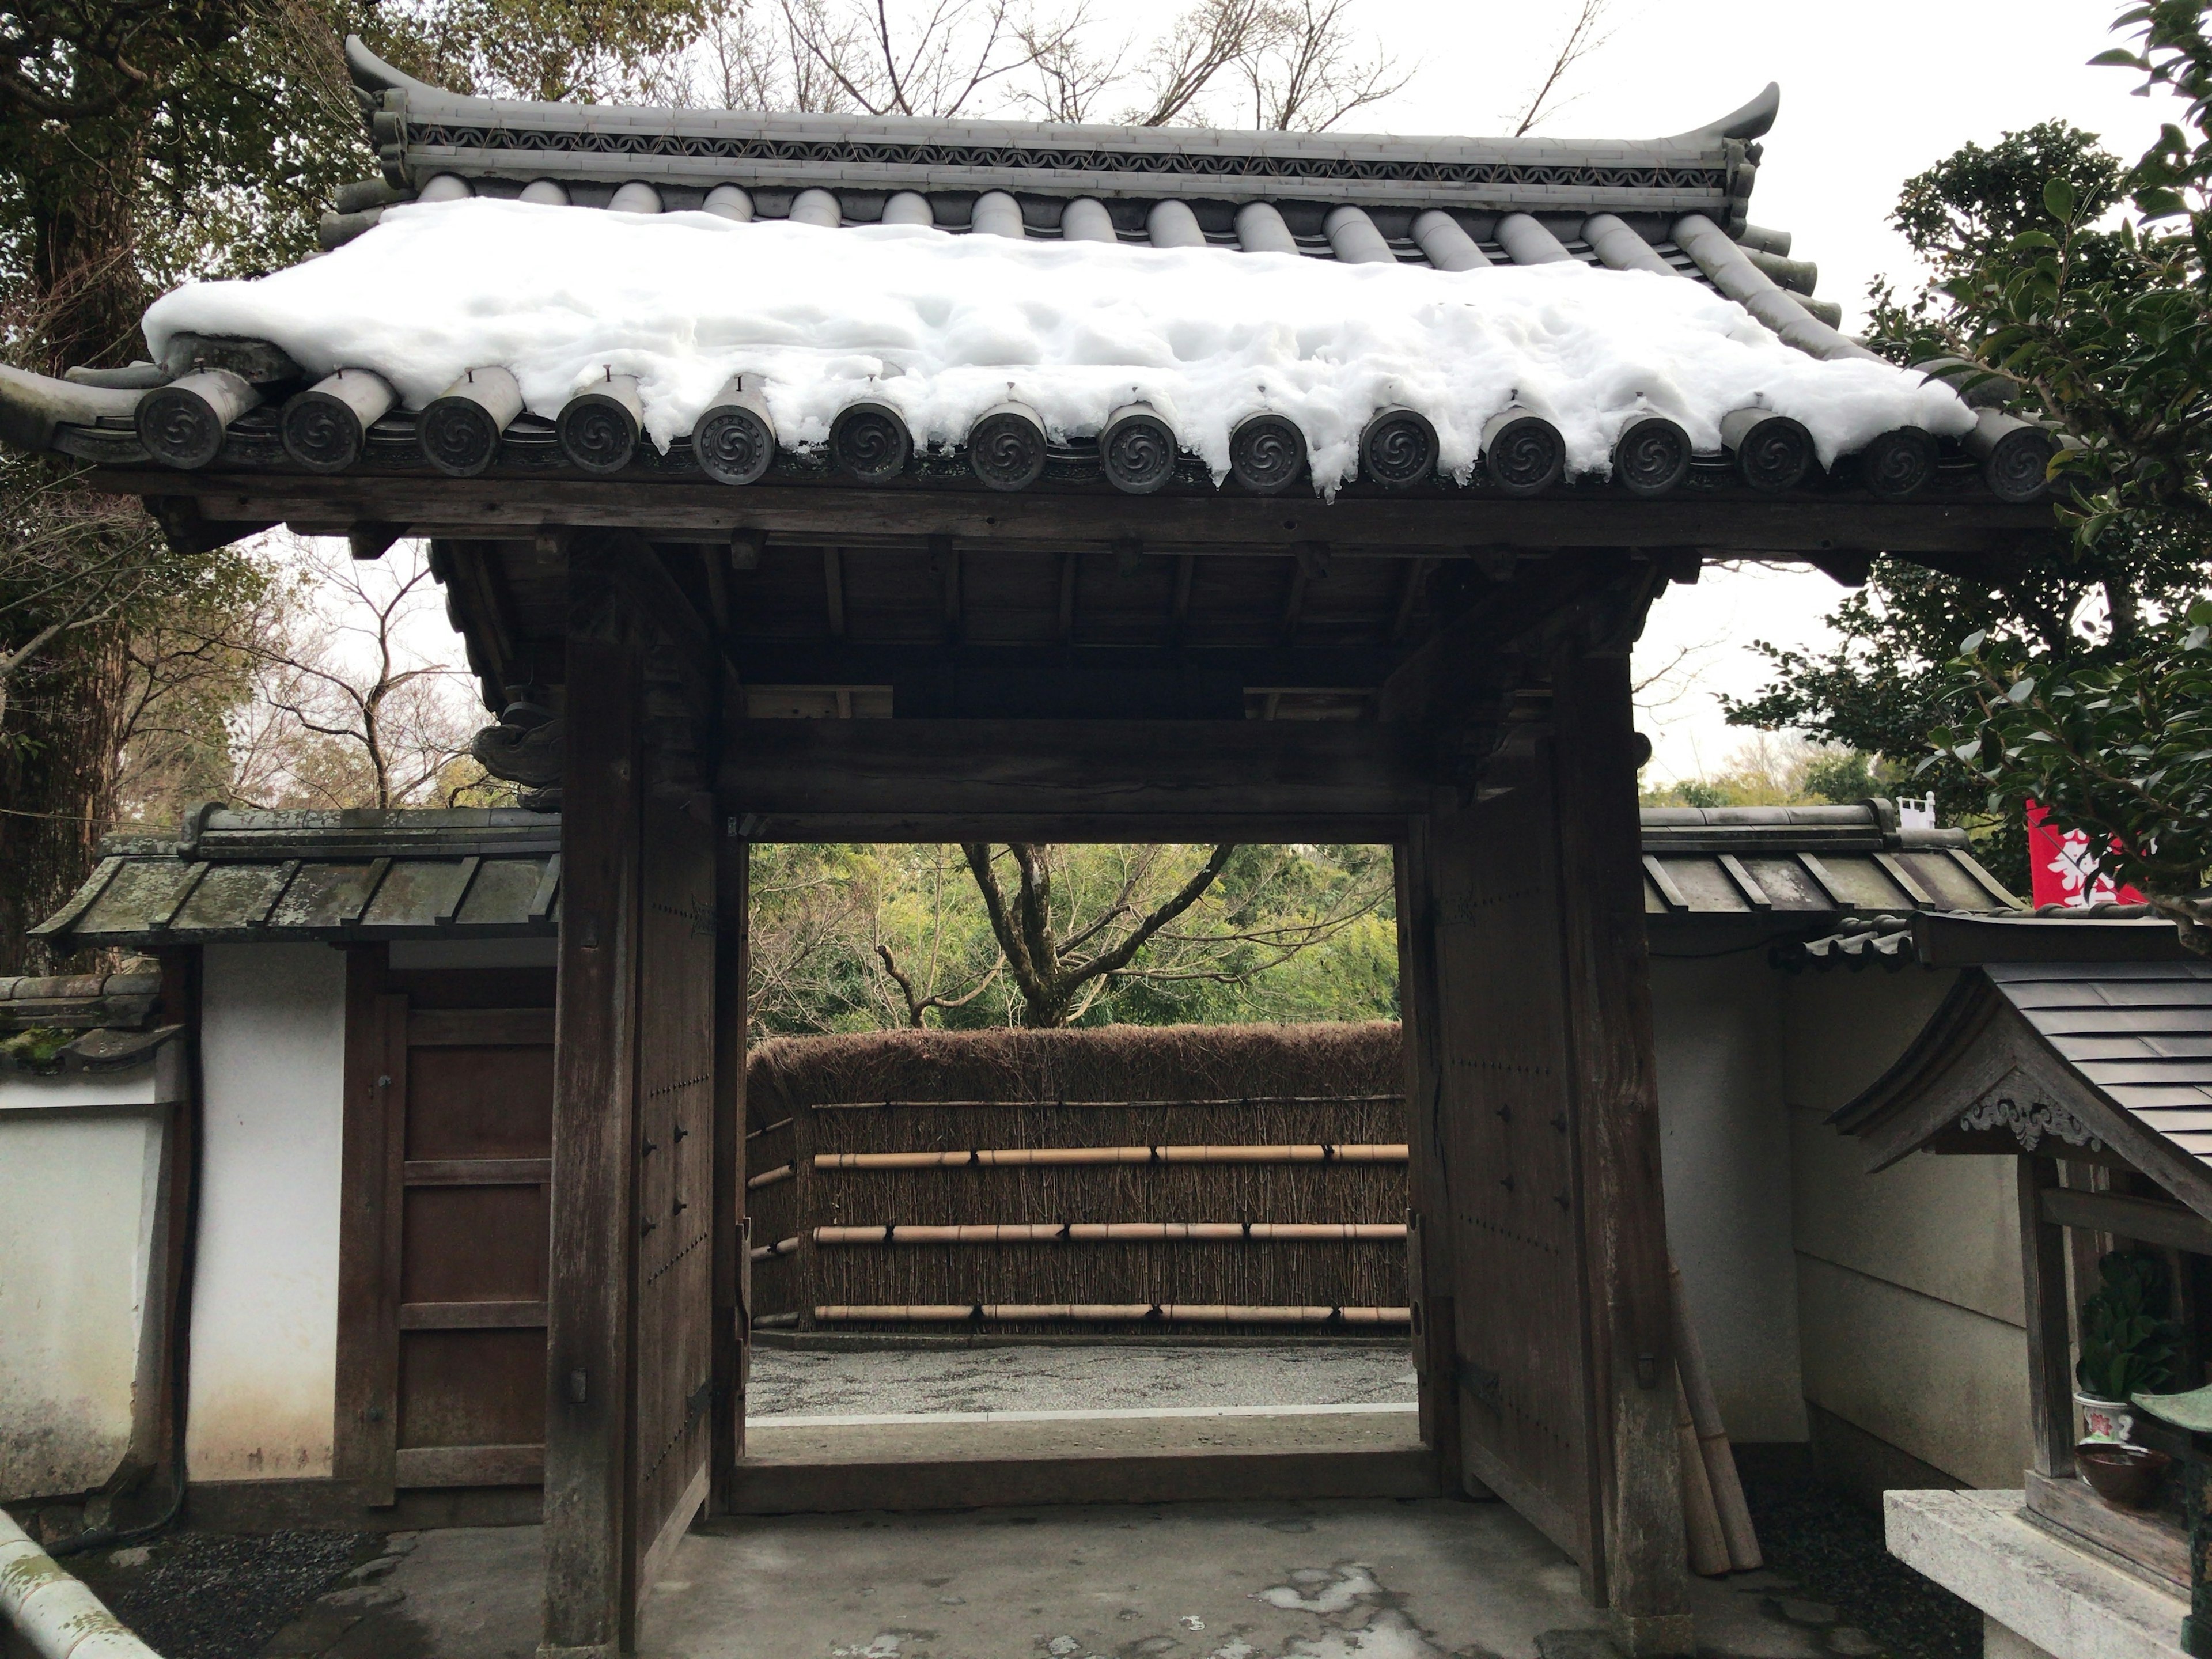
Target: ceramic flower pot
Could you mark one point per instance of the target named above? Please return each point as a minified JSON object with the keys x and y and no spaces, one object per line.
{"x":2105,"y":1419}
{"x":2127,"y":1476}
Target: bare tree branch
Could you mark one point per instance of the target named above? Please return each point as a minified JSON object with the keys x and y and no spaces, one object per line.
{"x":1583,"y":38}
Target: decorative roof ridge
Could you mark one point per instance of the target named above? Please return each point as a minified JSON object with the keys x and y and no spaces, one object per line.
{"x":383,"y":86}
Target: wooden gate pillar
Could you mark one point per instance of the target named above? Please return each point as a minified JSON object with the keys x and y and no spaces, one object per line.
{"x":638,"y":1129}
{"x":1535,"y":1123}
{"x":1614,"y":1076}
{"x":594,"y":1226}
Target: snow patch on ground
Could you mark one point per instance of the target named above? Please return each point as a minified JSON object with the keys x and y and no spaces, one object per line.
{"x":942,"y":327}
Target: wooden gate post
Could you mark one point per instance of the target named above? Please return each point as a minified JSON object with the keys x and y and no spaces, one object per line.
{"x":1429,"y":1269}
{"x":1613,"y":1073}
{"x":733,"y":1336}
{"x":594,"y":1229}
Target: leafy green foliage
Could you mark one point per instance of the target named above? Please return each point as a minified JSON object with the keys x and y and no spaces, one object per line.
{"x":2104,"y":328}
{"x":862,"y":938}
{"x":2120,"y":749}
{"x":2127,"y":1344}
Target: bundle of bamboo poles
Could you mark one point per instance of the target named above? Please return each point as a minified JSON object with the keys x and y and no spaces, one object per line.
{"x":1714,"y":1514}
{"x":1008,"y":1157}
{"x":1156,"y":1312}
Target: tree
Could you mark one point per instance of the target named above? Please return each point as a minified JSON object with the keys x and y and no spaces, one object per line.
{"x":2120,"y":750}
{"x":2110,"y":331}
{"x":351,"y":707}
{"x":1294,"y":64}
{"x":870,"y":938}
{"x":1061,"y":965}
{"x":1882,"y":689}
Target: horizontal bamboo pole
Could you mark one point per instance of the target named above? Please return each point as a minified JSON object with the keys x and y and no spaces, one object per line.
{"x":1094,"y":1232}
{"x":781,"y":1246}
{"x":1068,"y":1156}
{"x":1156,"y":1312}
{"x":770,"y":1177}
{"x":1239,"y":1100}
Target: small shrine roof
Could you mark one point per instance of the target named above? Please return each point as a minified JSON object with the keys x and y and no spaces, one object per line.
{"x":2061,"y":1058}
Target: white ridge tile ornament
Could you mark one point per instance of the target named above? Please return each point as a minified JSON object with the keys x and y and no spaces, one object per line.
{"x":932,"y":326}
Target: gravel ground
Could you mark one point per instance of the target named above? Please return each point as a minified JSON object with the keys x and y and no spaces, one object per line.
{"x":1833,"y":1549}
{"x":1012,"y":1379}
{"x":202,"y":1595}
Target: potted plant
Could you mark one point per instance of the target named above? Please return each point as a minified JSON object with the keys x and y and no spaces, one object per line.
{"x":2127,"y":1344}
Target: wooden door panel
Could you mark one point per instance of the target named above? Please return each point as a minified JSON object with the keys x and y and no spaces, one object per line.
{"x":480,"y":1102}
{"x":1506,"y":1122}
{"x":471,"y":1388}
{"x":475,"y":1244}
{"x":674,"y":1180}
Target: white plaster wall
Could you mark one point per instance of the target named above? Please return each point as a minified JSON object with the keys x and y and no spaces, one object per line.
{"x":1725,"y":1150}
{"x":264,"y":1302}
{"x":1909,"y":1287}
{"x":80,"y":1199}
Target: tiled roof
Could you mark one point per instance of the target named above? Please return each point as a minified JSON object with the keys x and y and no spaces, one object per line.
{"x":1808,"y":861}
{"x":465,"y":874}
{"x":1676,"y":204}
{"x":2042,"y":1057}
{"x":82,"y":1022}
{"x":2140,"y":1032}
{"x":422,"y":131}
{"x":1451,"y":201}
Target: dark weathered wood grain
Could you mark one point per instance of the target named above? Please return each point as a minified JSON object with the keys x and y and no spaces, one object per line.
{"x":1615,"y":1084}
{"x":365,"y":1365}
{"x":594,"y":1224}
{"x":1097,"y":769}
{"x":1165,"y":523}
{"x":2043,"y":1289}
{"x":1507,"y":1158}
{"x":731,"y":1314}
{"x":673,"y":1162}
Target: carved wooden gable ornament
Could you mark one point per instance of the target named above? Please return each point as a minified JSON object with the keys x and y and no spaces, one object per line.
{"x":2107,"y":1062}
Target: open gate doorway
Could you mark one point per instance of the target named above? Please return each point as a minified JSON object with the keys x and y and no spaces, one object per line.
{"x":1537,"y":1239}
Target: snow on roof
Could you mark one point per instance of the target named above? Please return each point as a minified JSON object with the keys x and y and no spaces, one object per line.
{"x":942,"y":328}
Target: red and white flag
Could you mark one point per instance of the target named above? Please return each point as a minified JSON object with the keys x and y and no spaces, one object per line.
{"x":2063,"y":866}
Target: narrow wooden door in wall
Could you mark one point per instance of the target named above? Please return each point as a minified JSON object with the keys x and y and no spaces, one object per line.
{"x":675,"y":1287}
{"x":442,"y":1377}
{"x":1504,"y":1120}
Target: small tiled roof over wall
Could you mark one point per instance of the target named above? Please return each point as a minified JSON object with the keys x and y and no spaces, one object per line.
{"x":239,"y":876}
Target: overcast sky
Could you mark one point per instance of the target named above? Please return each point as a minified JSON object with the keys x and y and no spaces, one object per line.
{"x":1872,"y":93}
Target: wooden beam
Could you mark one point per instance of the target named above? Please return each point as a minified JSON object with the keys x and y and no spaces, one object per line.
{"x":1409,"y":594}
{"x":2043,"y":1286}
{"x":732,"y":1266}
{"x":2146,"y":1220}
{"x":1440,"y":674}
{"x":594,"y":1224}
{"x":1613,"y":1070}
{"x":1067,"y":597}
{"x":833,"y":590}
{"x":944,"y":557}
{"x":1168,"y":522}
{"x":1101,"y":770}
{"x":1294,"y":605}
{"x":1367,"y":829}
{"x":1179,"y":608}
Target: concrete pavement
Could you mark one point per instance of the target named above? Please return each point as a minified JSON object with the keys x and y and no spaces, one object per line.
{"x":1358,"y":1579}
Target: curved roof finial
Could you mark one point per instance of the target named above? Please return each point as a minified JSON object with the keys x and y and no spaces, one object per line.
{"x":1753,"y":120}
{"x":372,"y":74}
